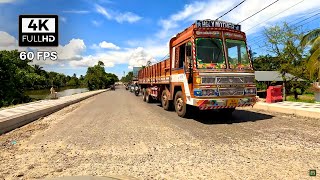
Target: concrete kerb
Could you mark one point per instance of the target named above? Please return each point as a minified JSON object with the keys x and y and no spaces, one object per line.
{"x":287,"y":110}
{"x":19,"y":120}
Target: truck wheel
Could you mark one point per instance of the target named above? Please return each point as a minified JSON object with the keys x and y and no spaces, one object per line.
{"x":180,"y":106}
{"x":144,"y":94}
{"x":148,"y":97}
{"x":166,"y":104}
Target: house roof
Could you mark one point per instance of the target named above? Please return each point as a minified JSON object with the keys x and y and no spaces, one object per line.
{"x":273,"y":76}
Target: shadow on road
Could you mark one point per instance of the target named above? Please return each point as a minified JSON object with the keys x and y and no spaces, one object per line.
{"x":238,"y":116}
{"x":214,"y":117}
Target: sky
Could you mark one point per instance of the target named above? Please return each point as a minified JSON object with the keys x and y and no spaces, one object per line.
{"x":128,"y":33}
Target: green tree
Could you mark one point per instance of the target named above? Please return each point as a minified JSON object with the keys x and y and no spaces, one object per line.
{"x":73,"y":81}
{"x":128,"y":77}
{"x":266,"y":63}
{"x":313,"y":39}
{"x":97,"y":78}
{"x":284,"y":43}
{"x":100,"y":63}
{"x":13,"y":73}
{"x":17,"y":76}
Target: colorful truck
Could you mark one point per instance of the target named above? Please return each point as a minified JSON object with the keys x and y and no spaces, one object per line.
{"x":209,"y":67}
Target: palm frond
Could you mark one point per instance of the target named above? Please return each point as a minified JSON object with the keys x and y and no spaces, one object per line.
{"x":314,"y":63}
{"x":310,"y":37}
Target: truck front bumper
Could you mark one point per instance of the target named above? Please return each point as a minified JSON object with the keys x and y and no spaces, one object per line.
{"x":206,"y":104}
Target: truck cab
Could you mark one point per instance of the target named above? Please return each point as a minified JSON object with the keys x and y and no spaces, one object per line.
{"x":209,"y":68}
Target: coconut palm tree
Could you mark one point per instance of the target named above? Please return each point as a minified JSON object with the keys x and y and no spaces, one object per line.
{"x":313,"y":39}
{"x":37,"y":69}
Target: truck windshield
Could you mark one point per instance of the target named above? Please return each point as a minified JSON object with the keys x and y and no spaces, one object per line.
{"x":237,"y":54}
{"x":209,"y":53}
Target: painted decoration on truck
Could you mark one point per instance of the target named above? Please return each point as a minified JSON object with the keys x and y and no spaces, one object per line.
{"x":211,"y":65}
{"x":219,"y":24}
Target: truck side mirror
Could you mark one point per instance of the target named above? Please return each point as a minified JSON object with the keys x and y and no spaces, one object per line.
{"x":188,"y":51}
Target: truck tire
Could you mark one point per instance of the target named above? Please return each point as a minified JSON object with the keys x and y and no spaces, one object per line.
{"x":148,"y":97}
{"x":181,"y":107}
{"x":166,"y":104}
{"x":143,"y":94}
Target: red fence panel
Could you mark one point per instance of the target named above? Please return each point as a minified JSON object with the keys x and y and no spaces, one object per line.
{"x":274,"y":94}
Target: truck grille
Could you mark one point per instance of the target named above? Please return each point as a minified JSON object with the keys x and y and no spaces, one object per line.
{"x":231,"y":92}
{"x":208,"y":80}
{"x":230,"y":80}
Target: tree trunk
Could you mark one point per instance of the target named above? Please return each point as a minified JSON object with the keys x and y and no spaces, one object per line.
{"x":284,"y":91}
{"x":295,"y":95}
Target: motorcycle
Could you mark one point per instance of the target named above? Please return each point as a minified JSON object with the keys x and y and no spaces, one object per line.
{"x":136,"y":90}
{"x":132,"y":88}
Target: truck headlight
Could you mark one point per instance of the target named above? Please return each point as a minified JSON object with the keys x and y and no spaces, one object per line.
{"x":210,"y":92}
{"x":250,"y":91}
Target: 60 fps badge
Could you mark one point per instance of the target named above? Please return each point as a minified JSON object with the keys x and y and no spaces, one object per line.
{"x":38,"y":30}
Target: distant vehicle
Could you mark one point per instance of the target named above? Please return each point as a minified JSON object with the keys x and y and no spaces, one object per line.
{"x":136,"y":89}
{"x":113,"y":87}
{"x":209,"y":67}
{"x":131,"y":88}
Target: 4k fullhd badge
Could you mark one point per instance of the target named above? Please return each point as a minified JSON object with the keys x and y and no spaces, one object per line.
{"x":38,"y":30}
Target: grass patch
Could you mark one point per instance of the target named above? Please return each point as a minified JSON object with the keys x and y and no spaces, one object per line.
{"x":308,"y":98}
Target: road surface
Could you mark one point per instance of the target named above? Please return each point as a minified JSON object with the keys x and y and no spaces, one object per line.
{"x":116,"y":133}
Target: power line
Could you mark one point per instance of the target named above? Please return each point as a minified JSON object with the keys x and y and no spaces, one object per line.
{"x":303,"y":16}
{"x":231,"y":9}
{"x":274,"y":15}
{"x":258,"y":12}
{"x":161,"y":59}
{"x":307,"y":18}
{"x":295,"y":28}
{"x":257,"y":38}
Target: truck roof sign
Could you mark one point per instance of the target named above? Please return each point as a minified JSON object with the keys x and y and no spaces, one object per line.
{"x":221,"y":24}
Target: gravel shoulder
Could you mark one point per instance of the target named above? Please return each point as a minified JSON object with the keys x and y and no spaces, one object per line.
{"x":116,"y":133}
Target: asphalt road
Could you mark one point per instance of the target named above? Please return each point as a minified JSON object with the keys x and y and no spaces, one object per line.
{"x":116,"y":133}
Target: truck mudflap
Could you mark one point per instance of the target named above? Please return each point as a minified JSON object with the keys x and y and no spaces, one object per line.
{"x":207,"y":104}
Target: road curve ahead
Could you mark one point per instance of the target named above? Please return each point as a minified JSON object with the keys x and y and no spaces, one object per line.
{"x":116,"y":133}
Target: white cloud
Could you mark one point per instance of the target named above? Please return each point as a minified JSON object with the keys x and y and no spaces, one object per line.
{"x":95,"y":47}
{"x":211,"y":9}
{"x":71,"y":51}
{"x":76,"y":11}
{"x":131,"y":56}
{"x":139,"y":57}
{"x":90,"y":61}
{"x":119,"y":17}
{"x":103,"y":11}
{"x":6,"y":39}
{"x":96,"y":23}
{"x":63,"y":19}
{"x":7,"y":1}
{"x":8,"y":42}
{"x":127,"y":16}
{"x":108,"y":45}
